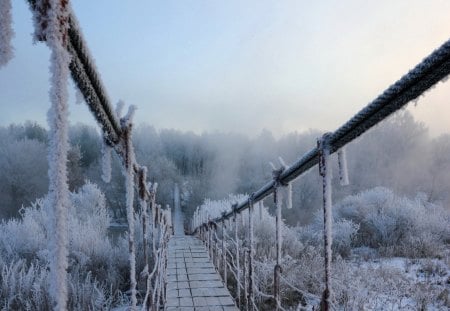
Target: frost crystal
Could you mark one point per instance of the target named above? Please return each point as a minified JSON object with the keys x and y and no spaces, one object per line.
{"x":6,"y":32}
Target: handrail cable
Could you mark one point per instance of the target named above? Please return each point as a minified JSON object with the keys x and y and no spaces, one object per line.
{"x":422,"y":77}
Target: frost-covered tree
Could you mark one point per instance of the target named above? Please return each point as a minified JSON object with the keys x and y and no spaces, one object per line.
{"x":23,"y":169}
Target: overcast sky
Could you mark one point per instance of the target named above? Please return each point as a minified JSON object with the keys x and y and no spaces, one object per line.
{"x":239,"y":65}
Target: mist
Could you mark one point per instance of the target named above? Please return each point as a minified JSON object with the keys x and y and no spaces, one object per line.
{"x":399,"y":154}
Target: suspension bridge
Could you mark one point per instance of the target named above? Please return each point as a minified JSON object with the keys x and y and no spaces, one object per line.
{"x":193,"y":272}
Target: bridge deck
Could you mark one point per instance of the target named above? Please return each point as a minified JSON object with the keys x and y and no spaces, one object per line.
{"x":192,"y":281}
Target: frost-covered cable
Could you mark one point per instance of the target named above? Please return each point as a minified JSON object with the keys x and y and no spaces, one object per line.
{"x":251,"y":254}
{"x":277,"y":197}
{"x":224,"y":254}
{"x":6,"y":32}
{"x":144,"y":213}
{"x":129,"y":187}
{"x":325,"y":171}
{"x":342,"y":163}
{"x":238,"y":269}
{"x":55,"y":14}
{"x":245,"y":276}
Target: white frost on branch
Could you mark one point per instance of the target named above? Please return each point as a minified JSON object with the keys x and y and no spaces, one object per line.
{"x":6,"y":32}
{"x":106,"y":162}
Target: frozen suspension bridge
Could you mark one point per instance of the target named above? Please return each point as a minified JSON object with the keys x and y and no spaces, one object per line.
{"x":181,"y":272}
{"x":192,"y":280}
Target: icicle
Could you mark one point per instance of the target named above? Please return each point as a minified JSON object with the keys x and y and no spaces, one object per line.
{"x":272,"y":166}
{"x":289,"y":196}
{"x":119,"y":107}
{"x":288,"y":186}
{"x":325,"y":169}
{"x":283,"y":164}
{"x":106,"y":162}
{"x":6,"y":32}
{"x":342,"y":162}
{"x":130,"y":114}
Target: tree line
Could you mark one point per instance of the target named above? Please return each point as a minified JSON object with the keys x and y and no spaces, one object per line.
{"x":398,"y":154}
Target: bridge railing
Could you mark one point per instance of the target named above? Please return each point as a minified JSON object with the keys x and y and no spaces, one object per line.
{"x":431,"y":70}
{"x":56,"y":24}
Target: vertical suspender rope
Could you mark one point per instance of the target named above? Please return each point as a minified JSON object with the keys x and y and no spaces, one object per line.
{"x":245,"y":275}
{"x":224,"y":254}
{"x":53,"y":23}
{"x":277,"y":270}
{"x":325,"y":172}
{"x":129,"y":184}
{"x":251,"y":254}
{"x":238,"y":269}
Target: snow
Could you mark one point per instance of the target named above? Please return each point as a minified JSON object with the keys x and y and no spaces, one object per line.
{"x":6,"y":32}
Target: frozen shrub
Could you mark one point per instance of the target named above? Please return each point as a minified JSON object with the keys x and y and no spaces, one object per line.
{"x":98,"y":268}
{"x":397,"y":226}
{"x":344,"y":232}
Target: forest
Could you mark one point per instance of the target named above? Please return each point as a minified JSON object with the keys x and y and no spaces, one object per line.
{"x":399,"y":155}
{"x":396,"y":207}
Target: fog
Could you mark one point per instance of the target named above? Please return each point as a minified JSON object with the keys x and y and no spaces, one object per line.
{"x":399,"y":154}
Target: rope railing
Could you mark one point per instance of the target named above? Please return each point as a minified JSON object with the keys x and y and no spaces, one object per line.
{"x":431,"y":70}
{"x":56,"y":17}
{"x":427,"y":73}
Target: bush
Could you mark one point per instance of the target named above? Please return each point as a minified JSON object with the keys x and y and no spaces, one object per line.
{"x":397,"y":226}
{"x":98,"y":269}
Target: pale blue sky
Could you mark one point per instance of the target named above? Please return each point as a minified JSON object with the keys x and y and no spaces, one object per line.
{"x":239,"y":65}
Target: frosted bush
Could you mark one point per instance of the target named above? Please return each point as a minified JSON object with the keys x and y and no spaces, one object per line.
{"x":396,"y":225}
{"x":98,"y":269}
{"x":344,"y":232}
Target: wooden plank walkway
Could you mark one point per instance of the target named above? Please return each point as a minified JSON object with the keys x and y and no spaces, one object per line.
{"x":192,"y":281}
